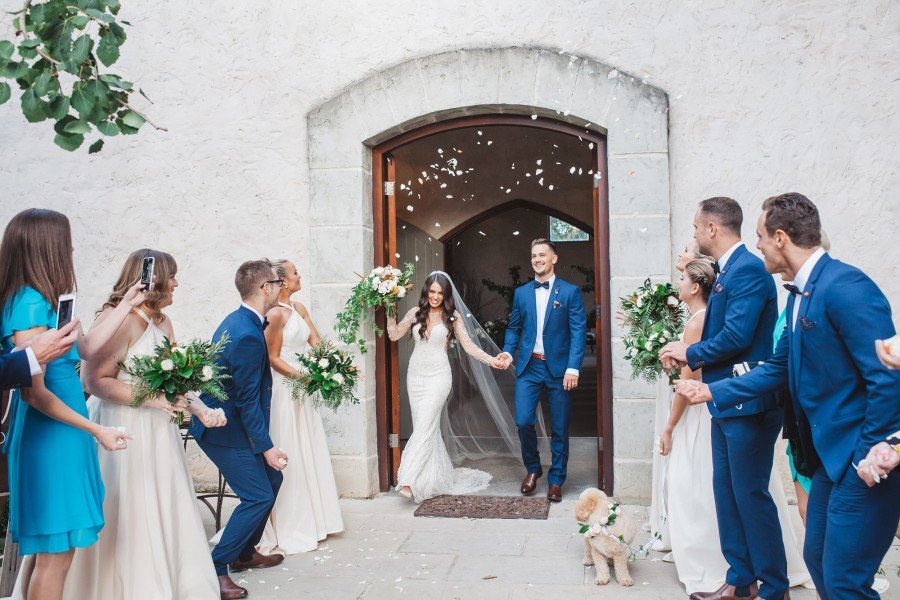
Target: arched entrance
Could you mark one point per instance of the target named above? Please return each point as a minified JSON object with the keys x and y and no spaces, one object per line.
{"x":578,"y":91}
{"x":400,"y":182}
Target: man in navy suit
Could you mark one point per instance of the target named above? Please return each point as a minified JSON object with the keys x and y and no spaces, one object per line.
{"x":740,"y":320}
{"x":19,"y":366}
{"x":242,"y":449}
{"x":546,"y":334}
{"x":850,"y":400}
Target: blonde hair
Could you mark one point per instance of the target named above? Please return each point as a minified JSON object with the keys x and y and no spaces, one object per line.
{"x":701,"y":272}
{"x":164,"y":268}
{"x":826,"y":241}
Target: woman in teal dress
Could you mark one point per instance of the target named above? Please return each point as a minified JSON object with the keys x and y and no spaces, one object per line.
{"x":56,"y":494}
{"x":801,"y":482}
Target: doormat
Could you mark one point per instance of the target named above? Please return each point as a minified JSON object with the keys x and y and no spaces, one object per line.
{"x":484,"y":507}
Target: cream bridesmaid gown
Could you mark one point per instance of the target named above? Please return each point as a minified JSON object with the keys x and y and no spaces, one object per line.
{"x":153,"y":545}
{"x":307,"y":508}
{"x":691,"y":517}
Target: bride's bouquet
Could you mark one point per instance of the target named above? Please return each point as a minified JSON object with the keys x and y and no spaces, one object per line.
{"x":175,"y":370}
{"x":382,"y":287}
{"x":328,"y":376}
{"x":652,"y":316}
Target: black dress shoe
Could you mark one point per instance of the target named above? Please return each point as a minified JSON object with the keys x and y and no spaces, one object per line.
{"x":554,"y":493}
{"x":530,"y":482}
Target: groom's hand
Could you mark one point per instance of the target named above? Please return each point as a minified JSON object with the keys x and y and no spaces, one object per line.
{"x":505,"y":359}
{"x":695,"y":391}
{"x":673,"y":355}
{"x":570,"y":381}
{"x":276,"y":458}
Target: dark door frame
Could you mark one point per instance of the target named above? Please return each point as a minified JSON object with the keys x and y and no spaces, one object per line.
{"x":384,"y":233}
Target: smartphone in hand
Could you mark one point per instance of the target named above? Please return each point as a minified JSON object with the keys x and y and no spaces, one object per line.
{"x":65,"y":310}
{"x":147,"y":273}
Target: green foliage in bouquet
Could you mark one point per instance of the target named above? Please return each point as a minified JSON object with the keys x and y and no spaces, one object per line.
{"x":176,"y":370}
{"x":328,"y":376}
{"x":653,"y":316}
{"x":62,"y":45}
{"x":381,"y":288}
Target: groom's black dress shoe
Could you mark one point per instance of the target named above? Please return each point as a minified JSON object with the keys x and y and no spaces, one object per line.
{"x":727,"y":592}
{"x":229,"y":590}
{"x":554,"y":493}
{"x":530,"y":482}
{"x":259,"y":561}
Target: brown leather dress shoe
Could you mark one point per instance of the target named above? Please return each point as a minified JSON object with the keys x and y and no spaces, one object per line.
{"x":259,"y":561}
{"x":554,"y":493}
{"x":530,"y":482}
{"x":229,"y":590}
{"x":726,"y":592}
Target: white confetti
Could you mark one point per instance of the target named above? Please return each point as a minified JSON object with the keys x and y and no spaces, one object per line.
{"x":479,"y":133}
{"x":515,"y":233}
{"x":538,"y":161}
{"x":541,"y":181}
{"x":482,"y":233}
{"x":572,"y":171}
{"x":490,"y":142}
{"x":591,"y":145}
{"x":443,"y":185}
{"x":613,"y":74}
{"x":538,"y":171}
{"x":534,"y":117}
{"x":409,"y":207}
{"x":437,"y":224}
{"x":508,"y":190}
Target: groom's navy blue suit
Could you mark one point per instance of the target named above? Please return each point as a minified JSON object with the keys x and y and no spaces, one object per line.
{"x":236,"y":449}
{"x":564,"y":335}
{"x":851,"y":402}
{"x":740,"y":320}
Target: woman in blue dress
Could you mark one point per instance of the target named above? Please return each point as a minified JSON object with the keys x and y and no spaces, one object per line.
{"x":56,"y":494}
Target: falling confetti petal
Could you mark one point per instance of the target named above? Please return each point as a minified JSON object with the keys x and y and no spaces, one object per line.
{"x":409,"y":207}
{"x":490,"y":142}
{"x":538,"y":161}
{"x":479,"y":133}
{"x":534,"y":117}
{"x":482,"y":233}
{"x":538,"y":172}
{"x":551,"y":187}
{"x":541,"y":181}
{"x":591,"y":145}
{"x":515,"y":233}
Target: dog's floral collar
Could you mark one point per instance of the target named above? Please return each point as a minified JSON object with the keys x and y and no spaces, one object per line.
{"x":603,"y":525}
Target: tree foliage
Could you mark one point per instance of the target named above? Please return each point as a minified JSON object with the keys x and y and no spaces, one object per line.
{"x":57,"y":60}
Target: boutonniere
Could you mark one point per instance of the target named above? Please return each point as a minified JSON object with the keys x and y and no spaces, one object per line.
{"x":807,"y":324}
{"x":718,"y":288}
{"x":556,"y":304}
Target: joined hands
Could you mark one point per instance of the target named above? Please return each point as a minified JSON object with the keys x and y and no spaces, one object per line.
{"x":695,"y":391}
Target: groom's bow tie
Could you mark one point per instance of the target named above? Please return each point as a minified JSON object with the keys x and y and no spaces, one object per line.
{"x":265,"y":323}
{"x":716,"y":268}
{"x":793,"y":289}
{"x":545,"y":285}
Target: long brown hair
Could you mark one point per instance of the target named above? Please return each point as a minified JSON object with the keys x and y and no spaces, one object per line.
{"x":448,"y":308}
{"x":36,"y":251}
{"x":164,"y":268}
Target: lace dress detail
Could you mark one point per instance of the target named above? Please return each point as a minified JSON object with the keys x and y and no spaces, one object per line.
{"x":425,"y":464}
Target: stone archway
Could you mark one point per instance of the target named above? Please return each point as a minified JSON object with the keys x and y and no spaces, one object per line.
{"x":529,"y":81}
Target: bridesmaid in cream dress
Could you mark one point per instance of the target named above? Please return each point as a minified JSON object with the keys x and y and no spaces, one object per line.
{"x":153,"y":545}
{"x":307,"y":508}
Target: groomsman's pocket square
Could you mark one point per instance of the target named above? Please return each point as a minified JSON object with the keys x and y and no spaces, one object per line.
{"x":718,"y":288}
{"x":556,"y":304}
{"x":807,"y":324}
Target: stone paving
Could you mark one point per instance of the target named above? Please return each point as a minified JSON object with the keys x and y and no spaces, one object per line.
{"x":386,"y":552}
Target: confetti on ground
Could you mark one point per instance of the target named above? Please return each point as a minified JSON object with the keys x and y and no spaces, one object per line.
{"x":489,"y":577}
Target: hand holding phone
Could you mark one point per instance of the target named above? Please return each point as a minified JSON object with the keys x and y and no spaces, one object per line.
{"x":147,"y":268}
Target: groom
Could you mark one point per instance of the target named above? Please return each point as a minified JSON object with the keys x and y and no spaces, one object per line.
{"x":242,"y":450}
{"x":740,"y":320}
{"x":546,"y":333}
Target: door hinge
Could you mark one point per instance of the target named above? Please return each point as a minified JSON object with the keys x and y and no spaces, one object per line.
{"x":388,"y":188}
{"x":393,"y":440}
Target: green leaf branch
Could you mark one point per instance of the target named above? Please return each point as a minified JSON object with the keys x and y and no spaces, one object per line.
{"x":55,"y":60}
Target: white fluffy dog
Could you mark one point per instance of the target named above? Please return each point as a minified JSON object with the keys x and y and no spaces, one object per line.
{"x":594,"y":508}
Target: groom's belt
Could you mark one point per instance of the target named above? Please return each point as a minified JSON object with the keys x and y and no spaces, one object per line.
{"x":538,"y":356}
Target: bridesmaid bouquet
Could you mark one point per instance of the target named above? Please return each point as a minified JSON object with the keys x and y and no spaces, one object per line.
{"x":382,"y":287}
{"x":328,"y":376}
{"x":652,"y":316}
{"x":175,"y":370}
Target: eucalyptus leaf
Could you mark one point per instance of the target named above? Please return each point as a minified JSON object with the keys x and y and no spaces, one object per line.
{"x":82,"y":99}
{"x":108,"y":128}
{"x":69,"y":142}
{"x":6,"y":49}
{"x":30,"y":43}
{"x":77,"y":127}
{"x":34,"y":109}
{"x":5,"y":92}
{"x":96,"y":147}
{"x":59,"y":107}
{"x":81,"y":49}
{"x":79,"y":21}
{"x":42,"y":84}
{"x":108,"y":49}
{"x":132,"y":119}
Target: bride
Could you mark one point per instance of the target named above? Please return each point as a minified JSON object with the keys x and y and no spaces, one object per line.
{"x":425,"y":466}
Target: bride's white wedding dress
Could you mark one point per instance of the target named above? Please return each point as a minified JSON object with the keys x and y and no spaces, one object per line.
{"x":153,"y":544}
{"x":691,"y":509}
{"x":425,"y":464}
{"x":307,"y":508}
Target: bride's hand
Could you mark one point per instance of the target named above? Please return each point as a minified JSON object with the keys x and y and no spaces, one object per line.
{"x":665,"y":441}
{"x":213,"y":418}
{"x":500,"y":362}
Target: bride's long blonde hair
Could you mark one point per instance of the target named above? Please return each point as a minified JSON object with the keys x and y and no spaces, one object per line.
{"x":164,"y":268}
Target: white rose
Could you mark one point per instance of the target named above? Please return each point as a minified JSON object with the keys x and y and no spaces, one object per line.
{"x":648,"y":346}
{"x":339,"y":378}
{"x":618,"y":510}
{"x":596,"y":529}
{"x":672,"y":301}
{"x":375,"y":284}
{"x":653,"y":335}
{"x":640,"y":302}
{"x":207,"y":373}
{"x":167,"y":364}
{"x":324,"y":363}
{"x":602,"y":521}
{"x":401,"y":292}
{"x":378,"y":271}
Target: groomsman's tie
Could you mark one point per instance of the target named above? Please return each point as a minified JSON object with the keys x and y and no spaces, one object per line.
{"x":545,"y":285}
{"x":265,"y":323}
{"x":793,"y":289}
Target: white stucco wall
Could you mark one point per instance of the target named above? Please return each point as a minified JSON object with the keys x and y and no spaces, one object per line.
{"x":764,"y":97}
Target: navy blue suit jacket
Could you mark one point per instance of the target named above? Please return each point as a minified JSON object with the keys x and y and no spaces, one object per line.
{"x":738,"y":327}
{"x":565,"y":327}
{"x":14,"y":370}
{"x":849,"y":398}
{"x":246,"y":360}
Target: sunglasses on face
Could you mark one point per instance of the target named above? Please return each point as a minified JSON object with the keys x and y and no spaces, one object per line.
{"x":280,"y":283}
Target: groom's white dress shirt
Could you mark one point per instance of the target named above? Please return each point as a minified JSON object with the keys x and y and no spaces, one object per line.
{"x":800,"y":281}
{"x":723,"y":260}
{"x":542,"y":298}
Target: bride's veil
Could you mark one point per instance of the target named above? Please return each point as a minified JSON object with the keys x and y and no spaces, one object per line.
{"x":479,"y":419}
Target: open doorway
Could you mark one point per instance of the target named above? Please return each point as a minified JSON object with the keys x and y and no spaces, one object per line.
{"x":467,"y":196}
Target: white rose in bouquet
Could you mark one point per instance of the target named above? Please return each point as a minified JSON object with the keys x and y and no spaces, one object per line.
{"x":378,"y":270}
{"x":207,"y":373}
{"x":401,"y":292}
{"x":648,"y":346}
{"x":324,"y":363}
{"x":166,"y":364}
{"x":640,"y":302}
{"x":338,"y":377}
{"x":375,"y":283}
{"x":672,"y":301}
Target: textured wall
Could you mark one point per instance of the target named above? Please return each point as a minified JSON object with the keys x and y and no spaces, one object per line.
{"x":764,"y":97}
